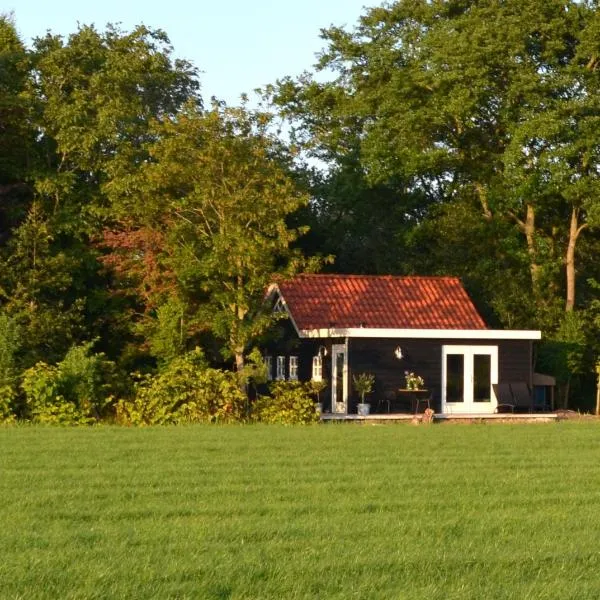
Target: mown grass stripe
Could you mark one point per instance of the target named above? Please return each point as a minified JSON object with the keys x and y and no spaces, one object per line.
{"x":447,"y":511}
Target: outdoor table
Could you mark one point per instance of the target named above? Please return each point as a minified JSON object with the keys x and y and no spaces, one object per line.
{"x":416,"y":397}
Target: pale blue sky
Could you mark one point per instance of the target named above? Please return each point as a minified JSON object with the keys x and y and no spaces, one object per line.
{"x":240,"y":45}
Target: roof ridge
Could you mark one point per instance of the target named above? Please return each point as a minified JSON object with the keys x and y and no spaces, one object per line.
{"x":358,"y":276}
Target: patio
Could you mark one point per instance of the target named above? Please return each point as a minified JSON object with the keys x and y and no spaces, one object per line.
{"x":442,"y":418}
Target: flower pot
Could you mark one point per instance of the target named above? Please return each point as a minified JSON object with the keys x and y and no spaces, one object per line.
{"x":319,"y":408}
{"x":362,"y":409}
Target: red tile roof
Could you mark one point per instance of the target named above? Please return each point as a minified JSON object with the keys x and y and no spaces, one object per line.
{"x":344,"y":301}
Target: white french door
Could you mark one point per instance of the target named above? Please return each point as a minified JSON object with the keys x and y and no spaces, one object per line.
{"x":339,"y":378}
{"x":468,"y":376}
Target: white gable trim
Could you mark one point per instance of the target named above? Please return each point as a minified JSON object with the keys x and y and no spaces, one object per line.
{"x":274,"y":292}
{"x":450,"y":334}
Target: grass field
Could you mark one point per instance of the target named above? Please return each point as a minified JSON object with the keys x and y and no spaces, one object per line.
{"x":333,"y":511}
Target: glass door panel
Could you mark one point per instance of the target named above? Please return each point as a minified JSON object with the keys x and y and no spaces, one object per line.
{"x":339,"y":377}
{"x":339,"y":374}
{"x":482,"y":378}
{"x":455,"y":377}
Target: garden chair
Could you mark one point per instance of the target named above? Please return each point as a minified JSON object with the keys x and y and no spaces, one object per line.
{"x":522,"y":396}
{"x":387,"y":399}
{"x":423,"y":402}
{"x":504,"y":396}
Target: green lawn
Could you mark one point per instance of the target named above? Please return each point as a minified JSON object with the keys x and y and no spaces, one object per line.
{"x":332,"y":511}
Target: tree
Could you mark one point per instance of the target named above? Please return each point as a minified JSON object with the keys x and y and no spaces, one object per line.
{"x":486,"y":109}
{"x":17,"y":136}
{"x":365,"y":225}
{"x":81,"y":112}
{"x":217,"y":186}
{"x":38,"y":290}
{"x":96,"y":96}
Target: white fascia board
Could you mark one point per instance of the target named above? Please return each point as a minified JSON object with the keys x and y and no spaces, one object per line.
{"x":453,"y":334}
{"x":271,"y":291}
{"x":274,"y":290}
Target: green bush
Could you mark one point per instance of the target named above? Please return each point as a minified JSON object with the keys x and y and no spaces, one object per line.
{"x":10,"y":344}
{"x":75,"y":391}
{"x":87,"y":380}
{"x":185,"y":391}
{"x":44,"y":401}
{"x":289,"y":403}
{"x":7,"y":397}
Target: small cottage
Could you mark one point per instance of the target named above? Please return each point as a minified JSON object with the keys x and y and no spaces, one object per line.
{"x":401,"y":330}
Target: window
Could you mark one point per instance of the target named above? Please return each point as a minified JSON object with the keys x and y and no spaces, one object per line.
{"x":293,"y":368}
{"x":269,"y":367}
{"x":317,"y":368}
{"x":280,"y":374}
{"x":279,"y":306}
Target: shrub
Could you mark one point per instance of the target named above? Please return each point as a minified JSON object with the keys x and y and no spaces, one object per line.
{"x":363,"y":384}
{"x":316,"y":387}
{"x":166,"y":336}
{"x":217,"y":397}
{"x":186,"y":391}
{"x":254,"y":371}
{"x":289,"y":403}
{"x":7,"y":397}
{"x":44,"y":401}
{"x":10,"y":344}
{"x":87,"y":380}
{"x":75,"y":391}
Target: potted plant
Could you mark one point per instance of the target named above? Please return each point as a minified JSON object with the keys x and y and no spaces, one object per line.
{"x":363,"y":384}
{"x":414,"y":382}
{"x":316,"y":386}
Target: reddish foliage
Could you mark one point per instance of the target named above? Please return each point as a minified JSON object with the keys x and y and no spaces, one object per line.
{"x":137,"y":258}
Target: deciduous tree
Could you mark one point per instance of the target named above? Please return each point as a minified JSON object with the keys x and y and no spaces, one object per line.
{"x":218,"y":186}
{"x":486,"y":108}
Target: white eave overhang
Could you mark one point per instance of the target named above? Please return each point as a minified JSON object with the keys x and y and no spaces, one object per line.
{"x":451,"y":334}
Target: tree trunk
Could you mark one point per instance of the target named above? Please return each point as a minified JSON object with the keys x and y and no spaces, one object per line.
{"x":235,"y":339}
{"x":239,"y":360}
{"x":483,"y":200}
{"x":529,"y":231}
{"x":239,"y":368}
{"x":566,"y":392}
{"x":574,"y":230}
{"x":527,"y":227}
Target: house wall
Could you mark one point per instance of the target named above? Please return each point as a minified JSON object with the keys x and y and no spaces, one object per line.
{"x":515,"y":360}
{"x":424,"y":357}
{"x":286,"y":343}
{"x":376,"y":356}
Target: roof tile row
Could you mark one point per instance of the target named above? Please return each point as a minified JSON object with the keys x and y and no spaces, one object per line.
{"x":352,"y":301}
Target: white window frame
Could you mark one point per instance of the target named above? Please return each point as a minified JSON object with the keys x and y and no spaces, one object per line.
{"x":317,"y":368}
{"x":468,"y":405}
{"x":269,"y":367}
{"x":280,"y":369}
{"x":293,"y":371}
{"x":339,"y":407}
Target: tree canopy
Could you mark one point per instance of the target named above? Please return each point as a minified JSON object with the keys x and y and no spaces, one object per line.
{"x":447,"y":137}
{"x":132,"y":215}
{"x":479,"y":120}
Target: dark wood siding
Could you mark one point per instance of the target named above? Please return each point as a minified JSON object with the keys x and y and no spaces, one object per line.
{"x":515,"y":361}
{"x":424,"y":357}
{"x":375,"y":355}
{"x":287,"y":344}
